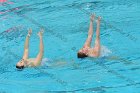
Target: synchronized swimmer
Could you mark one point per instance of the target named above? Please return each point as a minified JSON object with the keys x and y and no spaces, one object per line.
{"x":31,"y":62}
{"x":86,"y":51}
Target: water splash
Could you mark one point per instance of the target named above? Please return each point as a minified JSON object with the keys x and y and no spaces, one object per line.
{"x":105,"y":51}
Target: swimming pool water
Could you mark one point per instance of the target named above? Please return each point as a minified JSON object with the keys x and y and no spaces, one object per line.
{"x":66,"y":24}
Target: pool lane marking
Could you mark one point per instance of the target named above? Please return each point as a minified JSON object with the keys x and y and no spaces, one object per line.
{"x":58,"y":35}
{"x":17,"y":27}
{"x":116,"y":73}
{"x":39,"y":25}
{"x":65,"y":83}
{"x":108,"y":70}
{"x":86,"y":12}
{"x":111,"y":26}
{"x":113,"y":72}
{"x":52,"y":76}
{"x":131,"y":37}
{"x":100,"y":88}
{"x":12,"y":9}
{"x":31,"y":20}
{"x":91,"y":88}
{"x":105,"y":67}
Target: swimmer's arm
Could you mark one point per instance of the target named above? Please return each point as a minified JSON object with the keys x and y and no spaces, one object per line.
{"x":41,"y":50}
{"x":26,"y":50}
{"x":26,"y":45}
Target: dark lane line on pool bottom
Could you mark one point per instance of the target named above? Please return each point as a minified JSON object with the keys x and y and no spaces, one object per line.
{"x":53,"y":33}
{"x":110,"y":70}
{"x":131,"y":37}
{"x":121,"y":32}
{"x":58,"y":35}
{"x":103,"y":66}
{"x":42,"y":26}
{"x":64,"y":83}
{"x":52,"y":76}
{"x":95,"y":89}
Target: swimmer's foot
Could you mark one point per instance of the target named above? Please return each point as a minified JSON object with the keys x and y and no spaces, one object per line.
{"x":29,"y":32}
{"x":92,"y":17}
{"x":40,"y":33}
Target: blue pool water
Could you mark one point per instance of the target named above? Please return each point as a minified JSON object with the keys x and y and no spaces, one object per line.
{"x":66,"y":25}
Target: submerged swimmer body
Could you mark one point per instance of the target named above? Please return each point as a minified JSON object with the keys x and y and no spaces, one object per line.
{"x":87,"y":50}
{"x":31,"y":62}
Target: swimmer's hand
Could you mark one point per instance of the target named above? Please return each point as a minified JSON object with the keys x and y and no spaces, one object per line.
{"x":92,"y":17}
{"x":42,"y":30}
{"x":29,"y":32}
{"x":40,"y":33}
{"x":99,"y":18}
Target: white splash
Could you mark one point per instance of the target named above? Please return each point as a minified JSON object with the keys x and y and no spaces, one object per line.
{"x":105,"y":51}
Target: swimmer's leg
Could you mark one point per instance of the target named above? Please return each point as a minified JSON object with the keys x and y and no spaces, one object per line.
{"x":26,"y":45}
{"x":90,"y":32}
{"x":97,"y":40}
{"x":41,"y":51}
